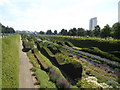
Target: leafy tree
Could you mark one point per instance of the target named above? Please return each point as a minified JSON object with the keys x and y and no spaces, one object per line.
{"x":11,"y":30}
{"x":55,"y":32}
{"x":49,"y":32}
{"x":63,"y":32}
{"x":89,"y":33}
{"x":105,"y":32}
{"x":96,"y":31}
{"x":3,"y":29}
{"x":116,"y":30}
{"x":41,"y":32}
{"x":7,"y":30}
{"x":81,"y":32}
{"x":72,"y":32}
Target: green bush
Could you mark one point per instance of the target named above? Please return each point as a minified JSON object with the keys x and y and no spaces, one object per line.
{"x":57,"y":77}
{"x":113,"y":84}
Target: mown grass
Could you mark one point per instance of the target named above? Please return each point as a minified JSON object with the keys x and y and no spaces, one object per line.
{"x":10,"y":62}
{"x":0,"y":62}
{"x":44,"y":61}
{"x":33,"y":60}
{"x":43,"y":79}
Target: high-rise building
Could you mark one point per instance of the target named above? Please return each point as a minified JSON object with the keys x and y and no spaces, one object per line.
{"x":119,"y":11}
{"x":92,"y":23}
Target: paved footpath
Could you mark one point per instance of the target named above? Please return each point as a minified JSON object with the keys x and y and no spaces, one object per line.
{"x":25,"y":78}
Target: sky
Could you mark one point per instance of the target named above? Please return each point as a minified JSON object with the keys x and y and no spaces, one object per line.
{"x":43,"y":15}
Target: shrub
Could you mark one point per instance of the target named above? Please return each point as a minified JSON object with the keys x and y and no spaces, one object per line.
{"x":33,"y":69}
{"x":57,"y":77}
{"x":113,"y":84}
{"x":88,"y":71}
{"x":63,"y":83}
{"x":43,"y":79}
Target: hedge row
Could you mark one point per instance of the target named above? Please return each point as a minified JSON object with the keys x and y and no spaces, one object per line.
{"x":97,"y":51}
{"x":63,"y":61}
{"x":104,"y":45}
{"x":102,"y":62}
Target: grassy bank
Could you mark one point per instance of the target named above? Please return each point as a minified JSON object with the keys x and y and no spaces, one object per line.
{"x":10,"y":62}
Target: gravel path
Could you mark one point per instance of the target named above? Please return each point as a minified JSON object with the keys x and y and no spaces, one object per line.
{"x":25,"y":78}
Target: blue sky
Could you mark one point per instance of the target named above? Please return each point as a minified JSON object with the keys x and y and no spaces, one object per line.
{"x":37,"y":15}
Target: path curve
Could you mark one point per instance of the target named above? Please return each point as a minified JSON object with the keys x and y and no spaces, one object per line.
{"x":25,"y":78}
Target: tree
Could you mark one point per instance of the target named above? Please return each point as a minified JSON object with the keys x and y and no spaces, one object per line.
{"x":7,"y":29}
{"x":41,"y":32}
{"x":72,"y":32}
{"x":81,"y":32}
{"x":55,"y":32}
{"x":63,"y":32}
{"x":116,"y":30}
{"x":89,"y":33}
{"x":49,"y":32}
{"x":3,"y":29}
{"x":105,"y":32}
{"x":11,"y":30}
{"x":96,"y":31}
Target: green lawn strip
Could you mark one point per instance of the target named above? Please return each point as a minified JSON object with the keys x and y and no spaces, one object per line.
{"x":44,"y":79}
{"x":69,"y":44}
{"x":48,"y":51}
{"x":10,"y":62}
{"x":44,"y":61}
{"x":33,"y":59}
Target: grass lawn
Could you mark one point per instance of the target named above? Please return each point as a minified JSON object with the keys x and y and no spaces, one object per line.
{"x":10,"y":61}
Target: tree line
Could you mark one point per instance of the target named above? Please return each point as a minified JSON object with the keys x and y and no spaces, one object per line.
{"x":7,"y":30}
{"x":105,"y":32}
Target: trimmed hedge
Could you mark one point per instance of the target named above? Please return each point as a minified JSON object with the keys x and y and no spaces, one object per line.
{"x":104,"y":45}
{"x":71,"y":66}
{"x":57,"y":77}
{"x":97,"y":51}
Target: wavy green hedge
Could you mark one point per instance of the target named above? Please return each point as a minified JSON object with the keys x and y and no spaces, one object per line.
{"x":97,"y":51}
{"x":10,"y":61}
{"x":105,"y":45}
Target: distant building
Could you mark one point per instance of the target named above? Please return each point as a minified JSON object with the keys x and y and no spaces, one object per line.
{"x":119,"y":11}
{"x":92,"y":23}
